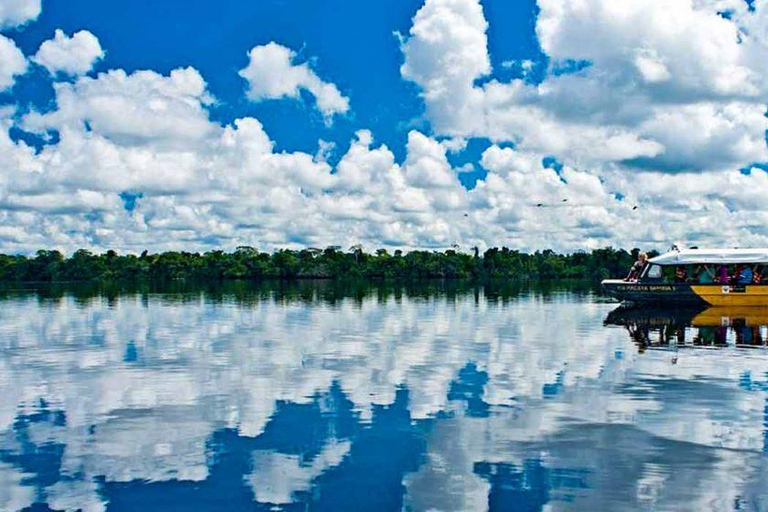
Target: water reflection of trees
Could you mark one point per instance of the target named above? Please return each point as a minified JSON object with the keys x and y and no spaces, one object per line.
{"x":720,"y":327}
{"x":249,"y":293}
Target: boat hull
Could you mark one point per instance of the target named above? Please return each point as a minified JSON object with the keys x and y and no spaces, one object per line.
{"x":626,"y":291}
{"x":732,"y":295}
{"x":687,"y":294}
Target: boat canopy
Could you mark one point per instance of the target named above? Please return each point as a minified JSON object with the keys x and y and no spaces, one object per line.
{"x":719,"y":256}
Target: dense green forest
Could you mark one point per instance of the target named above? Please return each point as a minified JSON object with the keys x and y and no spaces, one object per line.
{"x":329,"y":263}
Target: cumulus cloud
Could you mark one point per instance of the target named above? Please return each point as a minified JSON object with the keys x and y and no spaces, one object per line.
{"x":645,"y":67}
{"x":17,"y":12}
{"x":205,"y":184}
{"x":705,"y":55}
{"x":199,"y":184}
{"x":74,"y":55}
{"x":12,"y":63}
{"x":272,"y":74}
{"x":143,"y":108}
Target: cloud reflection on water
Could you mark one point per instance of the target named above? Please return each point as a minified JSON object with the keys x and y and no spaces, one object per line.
{"x":449,"y":401}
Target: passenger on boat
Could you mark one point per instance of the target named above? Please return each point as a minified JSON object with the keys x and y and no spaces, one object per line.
{"x":722,"y":274}
{"x":681,"y":275}
{"x":705,"y":275}
{"x":637,"y":268}
{"x":735,"y":275}
{"x":757,"y":275}
{"x":744,"y":275}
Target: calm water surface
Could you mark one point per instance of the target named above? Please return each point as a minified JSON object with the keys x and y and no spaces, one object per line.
{"x":427,"y":398}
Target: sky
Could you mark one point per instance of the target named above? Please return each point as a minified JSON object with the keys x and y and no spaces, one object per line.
{"x":435,"y":124}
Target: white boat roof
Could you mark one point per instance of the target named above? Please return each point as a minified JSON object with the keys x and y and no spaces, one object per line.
{"x":724,"y":256}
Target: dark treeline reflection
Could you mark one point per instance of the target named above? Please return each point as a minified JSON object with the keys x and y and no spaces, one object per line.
{"x":329,"y":263}
{"x":693,"y":327}
{"x":246,"y":293}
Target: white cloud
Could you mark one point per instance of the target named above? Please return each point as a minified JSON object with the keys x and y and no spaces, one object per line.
{"x":143,"y":108}
{"x":74,"y":55}
{"x":12,"y":63}
{"x":200,"y":184}
{"x":148,"y":133}
{"x":17,"y":12}
{"x":272,"y":74}
{"x":446,"y":52}
{"x":651,"y":68}
{"x":203,"y":184}
{"x":706,"y":55}
{"x":644,"y":63}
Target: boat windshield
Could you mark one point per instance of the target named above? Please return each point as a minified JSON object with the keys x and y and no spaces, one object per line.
{"x":653,"y":272}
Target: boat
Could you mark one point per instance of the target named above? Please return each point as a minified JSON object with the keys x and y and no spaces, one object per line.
{"x":675,"y":278}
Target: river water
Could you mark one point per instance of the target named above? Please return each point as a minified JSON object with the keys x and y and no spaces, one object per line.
{"x":331,"y":397}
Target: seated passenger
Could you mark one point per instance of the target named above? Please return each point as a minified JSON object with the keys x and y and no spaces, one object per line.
{"x":744,"y":276}
{"x":681,"y":275}
{"x":735,"y":276}
{"x":722,"y":274}
{"x":757,"y":275}
{"x":706,"y":275}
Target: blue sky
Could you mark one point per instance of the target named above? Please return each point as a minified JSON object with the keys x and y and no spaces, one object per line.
{"x":355,"y":43}
{"x":425,"y":123}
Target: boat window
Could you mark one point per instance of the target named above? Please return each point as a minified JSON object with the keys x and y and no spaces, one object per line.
{"x":654,"y":272}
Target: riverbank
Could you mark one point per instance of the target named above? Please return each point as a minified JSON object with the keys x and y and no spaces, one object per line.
{"x":247,"y":263}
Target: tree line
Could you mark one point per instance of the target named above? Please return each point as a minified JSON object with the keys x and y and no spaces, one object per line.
{"x":330,"y":263}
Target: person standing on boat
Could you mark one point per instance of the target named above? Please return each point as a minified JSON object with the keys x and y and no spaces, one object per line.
{"x":637,"y":268}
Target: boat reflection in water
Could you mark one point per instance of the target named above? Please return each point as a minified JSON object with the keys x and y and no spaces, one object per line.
{"x":703,"y":327}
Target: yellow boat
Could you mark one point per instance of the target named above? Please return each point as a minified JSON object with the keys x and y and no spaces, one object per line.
{"x":657,"y":283}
